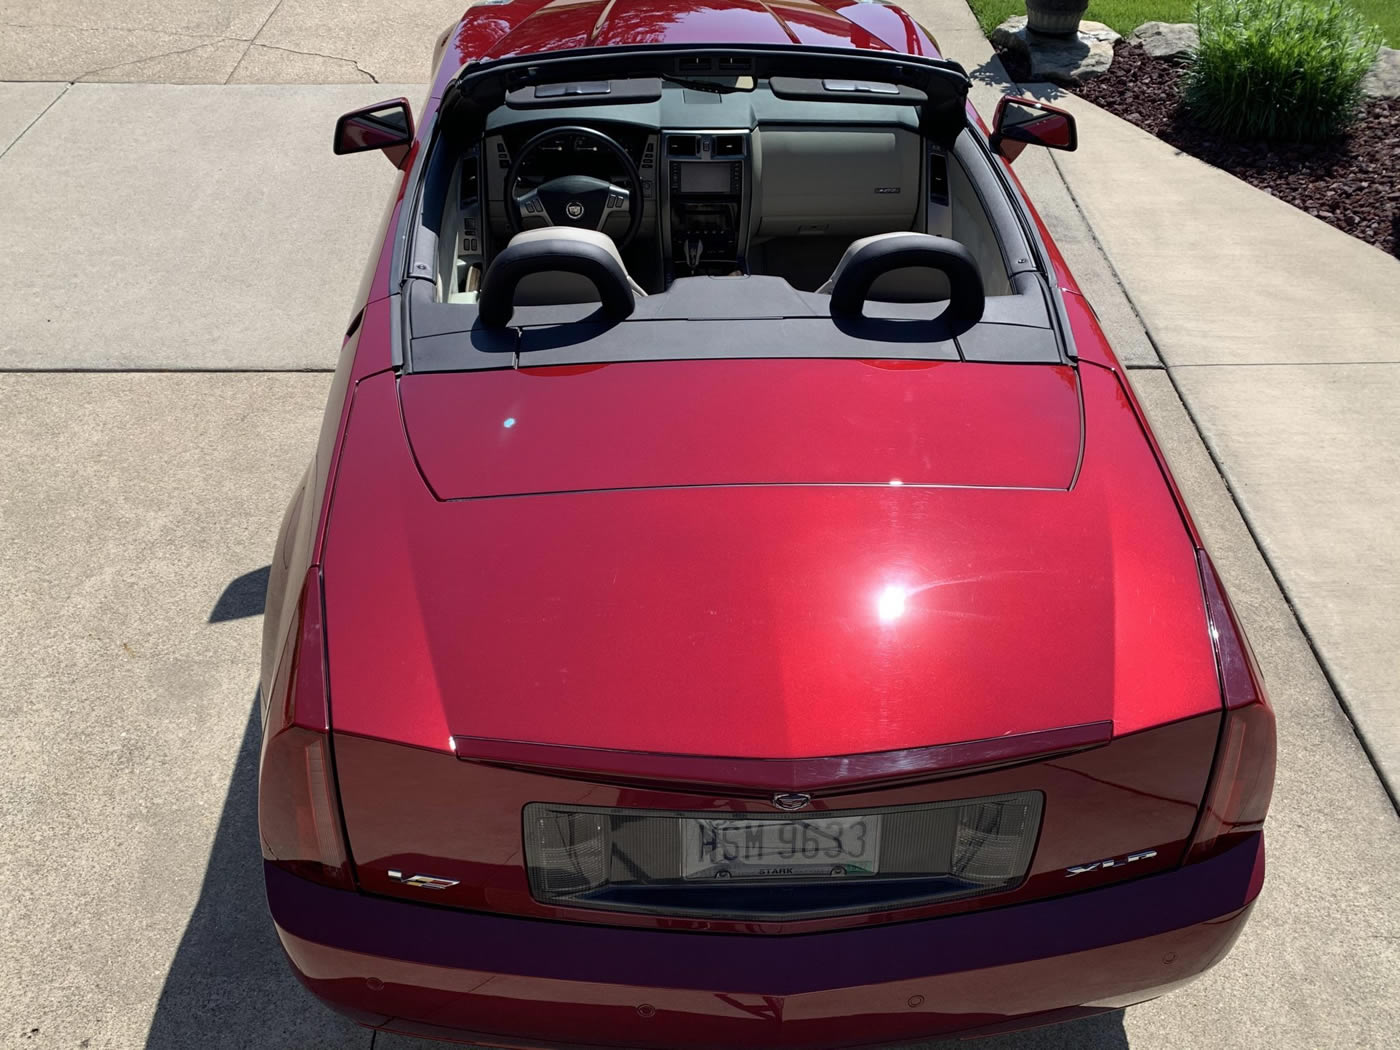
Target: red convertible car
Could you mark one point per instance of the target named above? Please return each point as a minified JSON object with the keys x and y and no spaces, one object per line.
{"x":736,"y":600}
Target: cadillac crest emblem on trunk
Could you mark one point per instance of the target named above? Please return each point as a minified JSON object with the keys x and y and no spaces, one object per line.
{"x":422,"y":882}
{"x":792,"y":800}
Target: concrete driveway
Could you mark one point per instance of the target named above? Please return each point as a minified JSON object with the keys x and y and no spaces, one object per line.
{"x":221,"y":41}
{"x":177,"y":264}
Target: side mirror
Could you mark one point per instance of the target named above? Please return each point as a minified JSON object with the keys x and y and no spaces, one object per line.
{"x":1022,"y":122}
{"x":386,"y":126}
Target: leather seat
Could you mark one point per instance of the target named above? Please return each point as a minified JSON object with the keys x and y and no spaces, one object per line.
{"x":911,"y":284}
{"x":556,"y":287}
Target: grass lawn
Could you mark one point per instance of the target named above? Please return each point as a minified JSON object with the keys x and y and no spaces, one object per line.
{"x":1127,"y":15}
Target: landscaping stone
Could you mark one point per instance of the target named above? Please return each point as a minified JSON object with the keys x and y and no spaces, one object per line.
{"x":1061,"y":60}
{"x":1167,"y":39}
{"x":1384,"y":79}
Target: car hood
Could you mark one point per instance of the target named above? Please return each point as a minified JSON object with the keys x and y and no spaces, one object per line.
{"x":562,"y":24}
{"x":757,"y":619}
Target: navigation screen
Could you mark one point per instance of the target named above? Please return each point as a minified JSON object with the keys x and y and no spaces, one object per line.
{"x":704,"y":178}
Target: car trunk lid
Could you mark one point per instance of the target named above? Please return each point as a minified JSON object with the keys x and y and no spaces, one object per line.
{"x":752,"y":612}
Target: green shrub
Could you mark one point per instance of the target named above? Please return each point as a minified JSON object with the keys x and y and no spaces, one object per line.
{"x":1279,"y":69}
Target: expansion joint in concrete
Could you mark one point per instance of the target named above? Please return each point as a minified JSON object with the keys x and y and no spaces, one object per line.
{"x":270,"y":15}
{"x":35,"y":121}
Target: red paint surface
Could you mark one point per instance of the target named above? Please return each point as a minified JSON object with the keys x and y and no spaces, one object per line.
{"x":491,"y":31}
{"x":530,"y":28}
{"x":748,"y":616}
{"x":742,"y":422}
{"x":891,"y":24}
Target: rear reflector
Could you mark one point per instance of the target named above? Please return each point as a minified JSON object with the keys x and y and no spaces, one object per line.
{"x":778,"y":866}
{"x":1243,"y":780}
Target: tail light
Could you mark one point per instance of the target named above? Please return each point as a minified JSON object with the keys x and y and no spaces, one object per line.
{"x":1243,"y":779}
{"x":298,"y":811}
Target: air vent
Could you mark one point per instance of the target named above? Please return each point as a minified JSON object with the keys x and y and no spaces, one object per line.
{"x":683,"y":146}
{"x":729,"y":145}
{"x":695,"y":64}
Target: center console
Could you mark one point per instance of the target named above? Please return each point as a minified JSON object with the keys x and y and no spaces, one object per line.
{"x":706,"y":185}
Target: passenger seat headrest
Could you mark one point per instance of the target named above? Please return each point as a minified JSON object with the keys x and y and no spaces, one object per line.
{"x":869,"y":258}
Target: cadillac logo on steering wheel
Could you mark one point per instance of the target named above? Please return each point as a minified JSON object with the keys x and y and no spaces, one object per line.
{"x":573,"y":210}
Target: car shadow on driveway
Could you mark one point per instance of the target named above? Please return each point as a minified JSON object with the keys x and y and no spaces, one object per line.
{"x":243,"y":597}
{"x":1100,"y":1032}
{"x":229,"y":984}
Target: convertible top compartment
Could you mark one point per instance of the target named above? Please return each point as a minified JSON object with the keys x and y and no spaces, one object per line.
{"x":682,"y":423}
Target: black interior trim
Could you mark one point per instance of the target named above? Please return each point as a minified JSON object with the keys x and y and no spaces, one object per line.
{"x":412,"y":221}
{"x":593,"y":339}
{"x":996,"y":203}
{"x":993,"y":173}
{"x":481,"y":87}
{"x":725,"y":318}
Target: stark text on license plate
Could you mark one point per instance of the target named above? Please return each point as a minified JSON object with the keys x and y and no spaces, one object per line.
{"x":778,"y":849}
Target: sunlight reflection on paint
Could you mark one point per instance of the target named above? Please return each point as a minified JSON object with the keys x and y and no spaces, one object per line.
{"x":509,"y":423}
{"x":889,"y":606}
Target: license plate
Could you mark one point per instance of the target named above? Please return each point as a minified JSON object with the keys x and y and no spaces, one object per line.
{"x":829,"y":846}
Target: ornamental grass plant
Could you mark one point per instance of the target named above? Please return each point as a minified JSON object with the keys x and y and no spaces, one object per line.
{"x":1282,"y":70}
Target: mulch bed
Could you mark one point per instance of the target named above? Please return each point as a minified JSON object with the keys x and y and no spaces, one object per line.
{"x":1352,"y":182}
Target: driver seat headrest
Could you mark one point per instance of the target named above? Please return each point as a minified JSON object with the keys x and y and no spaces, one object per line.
{"x":556,"y":265}
{"x":907,"y":267}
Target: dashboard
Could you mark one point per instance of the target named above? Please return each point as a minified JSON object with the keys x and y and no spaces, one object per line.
{"x":720,"y":175}
{"x":696,"y":187}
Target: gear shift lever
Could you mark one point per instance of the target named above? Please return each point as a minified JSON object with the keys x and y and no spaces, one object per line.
{"x":694,"y":247}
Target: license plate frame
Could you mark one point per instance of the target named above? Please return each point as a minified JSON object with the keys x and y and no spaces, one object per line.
{"x":825,"y":845}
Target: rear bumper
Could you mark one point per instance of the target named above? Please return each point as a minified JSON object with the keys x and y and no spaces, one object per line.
{"x":507,"y":981}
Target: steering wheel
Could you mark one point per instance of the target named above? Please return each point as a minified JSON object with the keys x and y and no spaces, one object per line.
{"x":580,"y":201}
